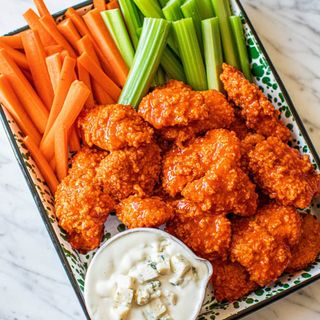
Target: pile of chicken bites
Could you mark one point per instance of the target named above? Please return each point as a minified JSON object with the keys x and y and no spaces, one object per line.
{"x":216,"y":170}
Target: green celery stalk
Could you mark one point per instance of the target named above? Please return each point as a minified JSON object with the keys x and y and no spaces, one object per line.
{"x":172,"y":65}
{"x":172,"y":11}
{"x":115,"y":24}
{"x":163,"y":3}
{"x":236,"y":26}
{"x":152,"y":9}
{"x":190,"y":10}
{"x":132,"y":19}
{"x":222,"y":10}
{"x":212,"y":52}
{"x":190,"y":53}
{"x":205,"y":9}
{"x":146,"y":61}
{"x":159,"y":78}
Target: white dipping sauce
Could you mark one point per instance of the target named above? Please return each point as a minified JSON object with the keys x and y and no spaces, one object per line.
{"x":145,"y":274}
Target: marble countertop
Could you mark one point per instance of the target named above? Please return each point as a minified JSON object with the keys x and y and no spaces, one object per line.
{"x":33,"y":284}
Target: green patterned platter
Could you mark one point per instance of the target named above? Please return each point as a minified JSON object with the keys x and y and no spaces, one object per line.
{"x":76,"y":264}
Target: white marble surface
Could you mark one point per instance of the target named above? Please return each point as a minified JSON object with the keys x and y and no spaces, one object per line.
{"x":33,"y":284}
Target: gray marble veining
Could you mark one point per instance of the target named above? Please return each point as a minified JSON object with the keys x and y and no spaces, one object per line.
{"x":33,"y":284}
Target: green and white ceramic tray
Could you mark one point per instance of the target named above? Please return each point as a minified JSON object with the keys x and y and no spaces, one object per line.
{"x":76,"y":264}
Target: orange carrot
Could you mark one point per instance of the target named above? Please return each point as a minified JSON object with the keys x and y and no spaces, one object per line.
{"x":100,"y":33}
{"x":53,"y":164}
{"x":97,"y":73}
{"x":99,"y":4}
{"x":113,"y":4}
{"x":84,"y":31}
{"x":33,"y":21}
{"x":73,"y":104}
{"x":65,"y":80}
{"x":74,"y":142}
{"x":85,"y":45}
{"x":42,"y":164}
{"x":36,"y":57}
{"x":12,"y":41}
{"x":16,"y":55}
{"x":55,"y":48}
{"x":69,"y":31}
{"x":28,"y":76}
{"x":26,"y":94}
{"x":42,"y":9}
{"x":51,"y":27}
{"x":63,"y":54}
{"x":54,"y":65}
{"x":10,"y":101}
{"x":84,"y":76}
{"x":61,"y":152}
{"x":100,"y":95}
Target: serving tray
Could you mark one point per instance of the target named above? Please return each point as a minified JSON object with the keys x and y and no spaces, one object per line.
{"x":76,"y":264}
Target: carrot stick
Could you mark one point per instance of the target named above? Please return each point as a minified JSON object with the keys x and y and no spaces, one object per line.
{"x":61,"y":152}
{"x":74,"y":142}
{"x":33,"y":21}
{"x":113,"y":4}
{"x":28,"y":76}
{"x":85,"y":45}
{"x":73,"y":104}
{"x":53,"y":164}
{"x":16,"y":55}
{"x":99,"y":5}
{"x":97,"y":73}
{"x":84,"y":76}
{"x":65,"y":80}
{"x":10,"y":101}
{"x":84,"y":31}
{"x":69,"y":31}
{"x":37,"y":61}
{"x":100,"y":95}
{"x":26,"y":94}
{"x":12,"y":41}
{"x":55,"y":48}
{"x":51,"y":27}
{"x":42,"y":164}
{"x":101,"y":35}
{"x":43,"y":10}
{"x":54,"y":66}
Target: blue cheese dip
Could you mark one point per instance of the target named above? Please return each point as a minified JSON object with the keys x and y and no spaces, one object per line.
{"x":145,"y":274}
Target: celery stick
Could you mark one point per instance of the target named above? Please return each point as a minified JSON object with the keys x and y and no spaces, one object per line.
{"x":236,"y":26}
{"x":222,"y":10}
{"x":190,"y":10}
{"x":163,"y":3}
{"x":159,"y":78}
{"x":212,"y":52}
{"x":205,"y":9}
{"x":172,"y":65}
{"x":115,"y":24}
{"x":132,"y":19}
{"x":146,"y":61}
{"x":172,"y":11}
{"x":152,"y":9}
{"x":190,"y":53}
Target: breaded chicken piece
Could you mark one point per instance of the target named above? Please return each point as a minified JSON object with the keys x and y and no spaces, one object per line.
{"x":183,"y":165}
{"x":173,"y":104}
{"x":81,"y":207}
{"x":114,"y":127}
{"x":239,"y":125}
{"x":223,"y":189}
{"x":121,"y":171}
{"x":264,"y":257}
{"x":283,"y":223}
{"x":248,"y":143}
{"x":144,"y":212}
{"x":220,"y":115}
{"x":207,"y":234}
{"x":230,"y":280}
{"x":308,"y":248}
{"x":283,"y":173}
{"x":260,"y":114}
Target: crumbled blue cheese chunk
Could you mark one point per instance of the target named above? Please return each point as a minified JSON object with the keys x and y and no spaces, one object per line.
{"x":147,"y":292}
{"x":154,"y":310}
{"x":170,"y":298}
{"x":146,"y":272}
{"x":180,"y":267}
{"x":123,"y":297}
{"x":161,"y":261}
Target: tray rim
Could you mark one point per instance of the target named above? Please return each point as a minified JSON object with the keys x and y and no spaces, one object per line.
{"x":47,"y":222}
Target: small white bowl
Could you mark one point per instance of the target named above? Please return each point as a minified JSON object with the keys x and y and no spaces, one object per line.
{"x":163,"y":234}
